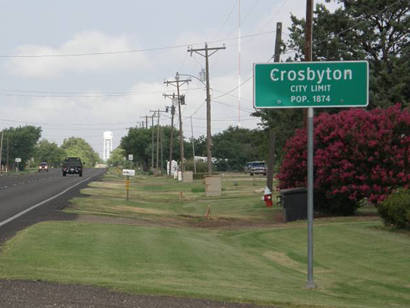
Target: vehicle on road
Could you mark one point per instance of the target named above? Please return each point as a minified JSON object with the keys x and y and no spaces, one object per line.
{"x":72,"y":165}
{"x":255,"y":167}
{"x":43,"y":166}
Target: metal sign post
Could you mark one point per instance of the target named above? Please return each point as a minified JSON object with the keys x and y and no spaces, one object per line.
{"x":127,"y":185}
{"x":311,"y":85}
{"x":310,"y":181}
{"x":128,"y":173}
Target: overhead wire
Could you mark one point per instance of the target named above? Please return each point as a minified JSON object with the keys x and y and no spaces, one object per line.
{"x":130,"y":51}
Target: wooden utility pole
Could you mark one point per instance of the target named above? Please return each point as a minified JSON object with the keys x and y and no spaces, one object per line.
{"x":208,"y":52}
{"x":157,"y":165}
{"x":146,"y":121}
{"x":7,"y":154}
{"x":158,"y":113}
{"x":171,"y":137}
{"x":178,"y":83}
{"x":152,"y":139}
{"x":1,"y":151}
{"x":193,"y":146}
{"x":271,"y":154}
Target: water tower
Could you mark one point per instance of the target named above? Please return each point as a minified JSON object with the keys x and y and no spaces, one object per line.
{"x":107,"y":145}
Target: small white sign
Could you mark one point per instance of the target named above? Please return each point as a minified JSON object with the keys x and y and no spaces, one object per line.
{"x":129,"y":172}
{"x":130,"y":157}
{"x":18,"y":160}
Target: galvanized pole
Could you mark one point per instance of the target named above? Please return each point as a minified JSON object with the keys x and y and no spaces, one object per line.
{"x":308,"y":57}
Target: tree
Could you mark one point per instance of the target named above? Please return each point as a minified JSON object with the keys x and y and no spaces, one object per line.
{"x":235,"y":146}
{"x":376,"y":31}
{"x":358,"y":154}
{"x":139,"y":143}
{"x":21,"y":143}
{"x":78,"y":147}
{"x":49,"y":152}
{"x":117,"y":157}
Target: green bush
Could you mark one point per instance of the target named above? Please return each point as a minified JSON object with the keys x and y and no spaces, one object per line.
{"x":395,"y":209}
{"x":201,"y":166}
{"x":198,"y":189}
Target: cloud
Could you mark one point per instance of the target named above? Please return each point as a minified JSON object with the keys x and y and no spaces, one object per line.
{"x":84,"y":42}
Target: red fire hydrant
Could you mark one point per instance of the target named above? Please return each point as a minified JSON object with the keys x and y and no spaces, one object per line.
{"x":267,"y":197}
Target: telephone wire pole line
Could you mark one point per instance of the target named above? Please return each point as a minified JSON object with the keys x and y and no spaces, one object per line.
{"x":208,"y":51}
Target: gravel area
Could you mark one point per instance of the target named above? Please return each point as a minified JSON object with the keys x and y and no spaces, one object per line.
{"x":16,"y":293}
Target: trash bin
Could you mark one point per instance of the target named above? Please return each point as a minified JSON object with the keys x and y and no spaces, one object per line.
{"x":294,"y":203}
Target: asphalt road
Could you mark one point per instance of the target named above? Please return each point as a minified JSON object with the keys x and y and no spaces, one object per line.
{"x":30,"y":198}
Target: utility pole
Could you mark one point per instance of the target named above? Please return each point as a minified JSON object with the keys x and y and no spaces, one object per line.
{"x":7,"y":154}
{"x":193,"y":146}
{"x":208,"y":52}
{"x":308,"y":57}
{"x":152,"y":139}
{"x":157,"y":165}
{"x":1,"y":151}
{"x":179,"y":82}
{"x":271,"y":155}
{"x":162,"y":152}
{"x":158,"y":113}
{"x":171,"y":138}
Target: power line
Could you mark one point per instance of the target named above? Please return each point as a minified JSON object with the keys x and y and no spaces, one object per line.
{"x":130,"y":51}
{"x":55,"y":94}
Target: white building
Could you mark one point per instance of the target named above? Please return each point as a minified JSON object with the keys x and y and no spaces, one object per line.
{"x":107,"y":145}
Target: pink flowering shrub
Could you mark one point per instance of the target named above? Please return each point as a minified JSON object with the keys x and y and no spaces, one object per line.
{"x":358,"y":154}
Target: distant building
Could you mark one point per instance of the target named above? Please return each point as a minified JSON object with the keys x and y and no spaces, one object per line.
{"x":107,"y":145}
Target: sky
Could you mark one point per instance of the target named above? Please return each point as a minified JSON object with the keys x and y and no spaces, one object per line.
{"x":79,"y":68}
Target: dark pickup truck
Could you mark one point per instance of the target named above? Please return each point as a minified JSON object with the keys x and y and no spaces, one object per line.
{"x":72,"y":165}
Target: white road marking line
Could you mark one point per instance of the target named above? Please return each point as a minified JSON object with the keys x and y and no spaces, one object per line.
{"x":40,"y":203}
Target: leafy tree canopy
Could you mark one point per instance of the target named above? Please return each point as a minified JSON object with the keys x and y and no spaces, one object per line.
{"x":49,"y":152}
{"x":117,"y":157}
{"x":19,"y":142}
{"x":377,"y":31}
{"x":139,"y":143}
{"x":78,"y":147}
{"x":235,"y":146}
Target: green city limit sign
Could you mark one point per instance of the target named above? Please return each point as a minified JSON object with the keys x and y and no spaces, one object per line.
{"x":311,"y":84}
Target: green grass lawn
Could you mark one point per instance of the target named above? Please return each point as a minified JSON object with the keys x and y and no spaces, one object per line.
{"x":160,"y":196}
{"x":358,"y":263}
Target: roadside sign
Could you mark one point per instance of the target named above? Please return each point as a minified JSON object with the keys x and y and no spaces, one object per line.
{"x":311,"y":84}
{"x":130,"y":156}
{"x":18,"y":160}
{"x":128,"y":172}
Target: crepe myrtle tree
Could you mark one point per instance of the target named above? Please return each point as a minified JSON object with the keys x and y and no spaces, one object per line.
{"x":358,"y":154}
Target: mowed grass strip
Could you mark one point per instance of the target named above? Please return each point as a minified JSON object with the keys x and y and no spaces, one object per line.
{"x":356,"y":264}
{"x":165,"y":197}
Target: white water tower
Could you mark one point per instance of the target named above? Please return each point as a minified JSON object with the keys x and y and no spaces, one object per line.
{"x":107,"y":145}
